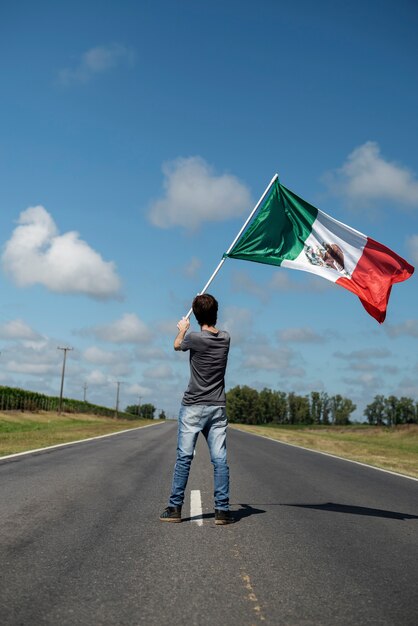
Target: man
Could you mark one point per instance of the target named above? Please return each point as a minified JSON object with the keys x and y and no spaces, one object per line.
{"x":203,"y":408}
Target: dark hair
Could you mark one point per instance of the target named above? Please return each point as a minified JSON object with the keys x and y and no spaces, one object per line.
{"x":205,"y":309}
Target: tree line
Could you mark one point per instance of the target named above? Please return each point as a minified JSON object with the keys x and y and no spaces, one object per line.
{"x":244,"y":405}
{"x":145,"y":411}
{"x":391,"y":411}
{"x":249,"y":406}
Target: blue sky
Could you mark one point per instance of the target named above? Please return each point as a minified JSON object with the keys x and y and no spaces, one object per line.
{"x":135,"y":139}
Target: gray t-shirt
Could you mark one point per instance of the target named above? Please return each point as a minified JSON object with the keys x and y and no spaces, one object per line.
{"x":208,"y":358}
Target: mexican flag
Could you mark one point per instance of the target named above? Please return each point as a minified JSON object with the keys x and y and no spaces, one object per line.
{"x":289,"y":232}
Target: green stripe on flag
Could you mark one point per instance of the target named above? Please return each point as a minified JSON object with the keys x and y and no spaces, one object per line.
{"x":278,"y":231}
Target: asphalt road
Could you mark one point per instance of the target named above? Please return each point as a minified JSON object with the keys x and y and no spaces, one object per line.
{"x":317,"y":540}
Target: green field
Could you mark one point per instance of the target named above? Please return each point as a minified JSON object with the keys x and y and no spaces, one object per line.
{"x":28,"y":431}
{"x":394,"y":449}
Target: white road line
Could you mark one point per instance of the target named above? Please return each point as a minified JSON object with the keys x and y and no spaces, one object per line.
{"x":196,"y":507}
{"x":71,"y":443}
{"x":334,"y":456}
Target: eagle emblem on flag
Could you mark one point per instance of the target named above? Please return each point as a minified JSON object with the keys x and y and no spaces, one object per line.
{"x":327,"y":255}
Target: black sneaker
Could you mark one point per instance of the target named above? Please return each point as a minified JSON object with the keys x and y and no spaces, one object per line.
{"x":223,"y":517}
{"x":171,"y":514}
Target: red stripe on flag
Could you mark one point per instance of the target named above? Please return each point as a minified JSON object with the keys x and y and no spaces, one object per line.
{"x":376,"y":271}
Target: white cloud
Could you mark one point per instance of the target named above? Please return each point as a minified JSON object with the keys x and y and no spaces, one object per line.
{"x":300,"y":335}
{"x":99,"y":379}
{"x":361,"y":366}
{"x":366,"y":381}
{"x":408,"y":328}
{"x":138,"y":390}
{"x":238,"y":322}
{"x":149,"y":353}
{"x":167,"y":327}
{"x":37,"y":254}
{"x":270,"y":358}
{"x":366,"y":176}
{"x":128,"y":329}
{"x":408,"y":387}
{"x":34,"y":358}
{"x":366,"y":353}
{"x":282,"y":281}
{"x":159,"y":372}
{"x":121,"y":370}
{"x":242,"y":282}
{"x":31,"y":368}
{"x":192,"y":268}
{"x":194,"y":194}
{"x":412,"y":244}
{"x":98,"y":356}
{"x":17,"y":329}
{"x":96,"y":61}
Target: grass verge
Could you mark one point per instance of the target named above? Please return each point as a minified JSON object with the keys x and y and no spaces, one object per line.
{"x":20,"y":432}
{"x":394,"y":449}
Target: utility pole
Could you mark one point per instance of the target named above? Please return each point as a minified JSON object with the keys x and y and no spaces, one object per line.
{"x":65,"y":350}
{"x":85,"y":390}
{"x":139,"y":406}
{"x":117,"y":400}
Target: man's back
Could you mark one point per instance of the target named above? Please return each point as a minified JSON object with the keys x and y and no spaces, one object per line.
{"x":208,"y":359}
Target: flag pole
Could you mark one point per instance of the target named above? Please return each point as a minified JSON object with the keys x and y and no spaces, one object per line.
{"x":244,"y":226}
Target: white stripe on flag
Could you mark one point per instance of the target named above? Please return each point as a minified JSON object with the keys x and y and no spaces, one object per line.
{"x":327,"y":230}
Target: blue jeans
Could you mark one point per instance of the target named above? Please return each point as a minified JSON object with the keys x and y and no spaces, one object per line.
{"x":211,"y":422}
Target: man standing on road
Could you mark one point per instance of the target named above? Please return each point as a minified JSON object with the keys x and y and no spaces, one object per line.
{"x":203,"y":408}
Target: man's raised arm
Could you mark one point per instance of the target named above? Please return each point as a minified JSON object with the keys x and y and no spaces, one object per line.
{"x":183,"y":326}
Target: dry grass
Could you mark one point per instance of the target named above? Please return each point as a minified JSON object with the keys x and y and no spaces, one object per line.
{"x":395,"y":449}
{"x":28,"y":431}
